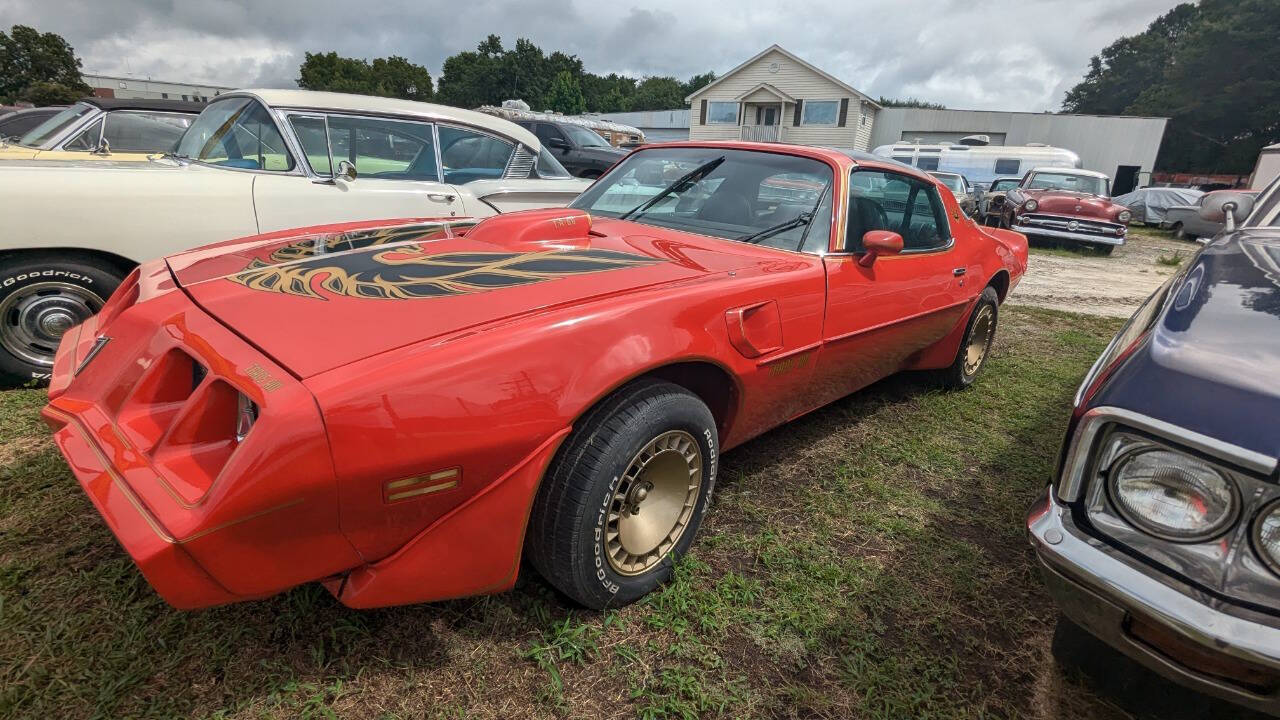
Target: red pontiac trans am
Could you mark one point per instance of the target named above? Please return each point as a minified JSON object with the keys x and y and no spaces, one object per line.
{"x":402,"y":410}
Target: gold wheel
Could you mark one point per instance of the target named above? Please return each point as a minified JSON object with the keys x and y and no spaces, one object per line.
{"x":979,"y":339}
{"x":653,"y":503}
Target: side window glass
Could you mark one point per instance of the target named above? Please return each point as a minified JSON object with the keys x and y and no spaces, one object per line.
{"x":310,"y":133}
{"x":1008,"y":166}
{"x":86,"y":140}
{"x":386,"y":149}
{"x":468,"y":155}
{"x":144,"y":132}
{"x":927,"y":163}
{"x":546,"y":132}
{"x":887,"y":201}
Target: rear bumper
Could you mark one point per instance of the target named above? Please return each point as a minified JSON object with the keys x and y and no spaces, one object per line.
{"x":1105,"y":595}
{"x":1067,"y":235}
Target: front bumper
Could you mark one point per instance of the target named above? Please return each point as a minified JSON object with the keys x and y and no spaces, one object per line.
{"x":1068,"y":235}
{"x":1105,"y":594}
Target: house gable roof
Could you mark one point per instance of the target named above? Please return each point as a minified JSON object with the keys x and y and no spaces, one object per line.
{"x":793,"y":57}
{"x":767,"y":88}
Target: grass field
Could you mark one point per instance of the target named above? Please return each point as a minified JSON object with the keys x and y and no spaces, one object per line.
{"x":866,"y":561}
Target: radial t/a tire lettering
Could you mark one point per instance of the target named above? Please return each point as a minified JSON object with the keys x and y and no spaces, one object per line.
{"x":625,"y":495}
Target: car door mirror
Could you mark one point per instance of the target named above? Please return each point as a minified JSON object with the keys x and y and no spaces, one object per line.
{"x":346,"y":171}
{"x":1226,"y":206}
{"x":877,"y":243}
{"x":557,"y":143}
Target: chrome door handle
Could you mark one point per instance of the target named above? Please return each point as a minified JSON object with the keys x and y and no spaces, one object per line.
{"x":441,"y":197}
{"x":958,"y":272}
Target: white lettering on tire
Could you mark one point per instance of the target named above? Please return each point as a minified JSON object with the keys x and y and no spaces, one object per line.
{"x":36,"y":274}
{"x":601,"y":575}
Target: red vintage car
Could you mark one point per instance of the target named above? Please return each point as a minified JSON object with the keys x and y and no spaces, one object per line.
{"x":403,"y":410}
{"x":1067,"y":204}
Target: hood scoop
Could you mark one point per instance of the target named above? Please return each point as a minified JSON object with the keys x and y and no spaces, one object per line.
{"x":533,"y":230}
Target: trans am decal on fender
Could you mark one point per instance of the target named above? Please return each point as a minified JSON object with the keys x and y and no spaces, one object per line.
{"x":413,"y":272}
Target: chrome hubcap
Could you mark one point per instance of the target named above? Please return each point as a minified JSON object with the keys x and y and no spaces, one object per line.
{"x":34,"y":318}
{"x":979,"y":339}
{"x":653,"y":503}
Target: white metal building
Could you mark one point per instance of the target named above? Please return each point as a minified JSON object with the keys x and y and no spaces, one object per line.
{"x":657,"y":125}
{"x":112,"y":86}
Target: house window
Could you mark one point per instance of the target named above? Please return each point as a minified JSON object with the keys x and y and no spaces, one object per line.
{"x":722,"y":113}
{"x":1007,"y":166}
{"x":164,"y":96}
{"x":820,"y":112}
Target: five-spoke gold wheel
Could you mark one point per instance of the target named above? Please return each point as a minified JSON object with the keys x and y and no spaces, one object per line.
{"x":653,"y":502}
{"x":984,"y":325}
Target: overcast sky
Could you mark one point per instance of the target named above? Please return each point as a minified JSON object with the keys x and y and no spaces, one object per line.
{"x":1020,"y":55}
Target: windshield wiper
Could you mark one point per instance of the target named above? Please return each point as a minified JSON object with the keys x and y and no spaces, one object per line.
{"x":795,"y":222}
{"x":685,"y":180}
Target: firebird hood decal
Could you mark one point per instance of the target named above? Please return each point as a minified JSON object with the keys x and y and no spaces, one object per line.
{"x":412,"y":272}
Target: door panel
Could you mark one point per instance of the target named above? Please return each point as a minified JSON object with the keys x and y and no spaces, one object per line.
{"x":288,"y":201}
{"x":879,"y":316}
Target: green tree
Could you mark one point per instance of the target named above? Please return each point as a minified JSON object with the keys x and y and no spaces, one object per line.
{"x":658,"y":93}
{"x":910,"y":102}
{"x":389,"y":77}
{"x":1210,"y":68}
{"x":566,"y":95}
{"x":697,"y":82}
{"x":40,"y":67}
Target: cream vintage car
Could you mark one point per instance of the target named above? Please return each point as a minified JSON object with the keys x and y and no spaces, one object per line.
{"x":254,"y":161}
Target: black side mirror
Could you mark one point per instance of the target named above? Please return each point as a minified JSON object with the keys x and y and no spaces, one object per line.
{"x":558,"y":143}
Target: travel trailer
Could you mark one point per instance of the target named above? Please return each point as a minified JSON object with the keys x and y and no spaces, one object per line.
{"x":978,"y":162}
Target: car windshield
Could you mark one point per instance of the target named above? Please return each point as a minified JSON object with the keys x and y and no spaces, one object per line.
{"x":238,"y":133}
{"x":1004,"y":185}
{"x":583,"y":137}
{"x":734,"y":194}
{"x":47,"y":130}
{"x":952,"y":181}
{"x":1069,"y":181}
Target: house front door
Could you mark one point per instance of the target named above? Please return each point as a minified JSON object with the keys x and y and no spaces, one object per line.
{"x":770,"y":116}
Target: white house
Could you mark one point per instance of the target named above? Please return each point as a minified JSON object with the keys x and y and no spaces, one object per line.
{"x":778,"y":97}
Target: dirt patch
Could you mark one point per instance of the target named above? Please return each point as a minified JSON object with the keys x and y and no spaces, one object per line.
{"x":1111,"y":286}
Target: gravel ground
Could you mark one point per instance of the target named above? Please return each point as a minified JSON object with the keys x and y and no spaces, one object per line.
{"x":1111,"y":286}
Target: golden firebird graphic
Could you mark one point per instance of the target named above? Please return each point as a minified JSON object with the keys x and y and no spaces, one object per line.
{"x":413,"y":272}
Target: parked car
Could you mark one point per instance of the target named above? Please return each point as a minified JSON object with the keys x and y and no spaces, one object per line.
{"x":1149,"y":204}
{"x":252,"y":162}
{"x":966,"y":195}
{"x":1186,"y":221}
{"x":555,"y":384}
{"x":121,"y":130}
{"x":583,"y":152}
{"x":1067,"y":204}
{"x":1160,"y":534}
{"x":993,"y":199}
{"x":17,"y":123}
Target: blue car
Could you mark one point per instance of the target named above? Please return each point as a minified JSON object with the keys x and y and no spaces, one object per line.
{"x":1161,"y":533}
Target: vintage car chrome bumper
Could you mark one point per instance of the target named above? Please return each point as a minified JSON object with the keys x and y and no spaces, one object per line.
{"x":1098,"y":589}
{"x":1068,"y":235}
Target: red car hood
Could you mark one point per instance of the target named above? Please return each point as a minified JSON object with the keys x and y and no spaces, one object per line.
{"x":319,"y":298}
{"x":1065,"y":202}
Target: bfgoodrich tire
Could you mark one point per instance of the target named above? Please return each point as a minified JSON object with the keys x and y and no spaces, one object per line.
{"x":979,"y":334}
{"x":41,"y":297}
{"x":624,"y":496}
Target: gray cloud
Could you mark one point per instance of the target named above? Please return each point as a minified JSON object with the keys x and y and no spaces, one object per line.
{"x":965,"y":54}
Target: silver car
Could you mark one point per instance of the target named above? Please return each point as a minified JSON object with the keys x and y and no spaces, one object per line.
{"x":966,"y":195}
